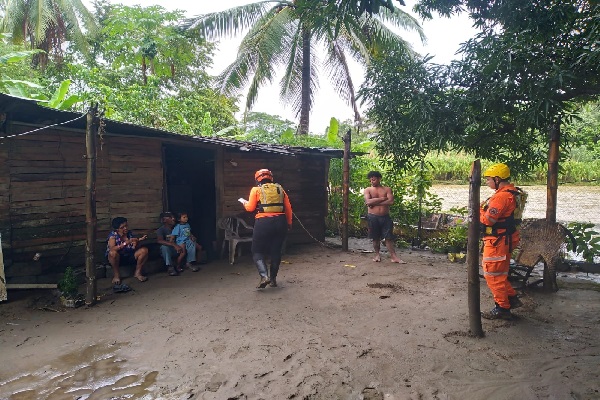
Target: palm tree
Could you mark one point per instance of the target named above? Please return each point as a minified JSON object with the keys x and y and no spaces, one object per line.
{"x":46,"y":24}
{"x":287,"y":34}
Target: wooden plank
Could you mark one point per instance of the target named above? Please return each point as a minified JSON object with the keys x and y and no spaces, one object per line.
{"x":42,"y":241}
{"x":31,"y":286}
{"x":22,"y":185}
{"x":49,"y":135}
{"x":49,"y":194}
{"x":42,"y":177}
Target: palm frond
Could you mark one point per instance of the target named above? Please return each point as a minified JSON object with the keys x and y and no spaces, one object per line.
{"x":401,"y":19}
{"x":231,"y":22}
{"x":258,"y":57}
{"x":291,"y":83}
{"x":337,"y":67}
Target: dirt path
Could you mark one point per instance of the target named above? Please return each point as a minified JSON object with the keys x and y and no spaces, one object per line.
{"x":340,"y":326}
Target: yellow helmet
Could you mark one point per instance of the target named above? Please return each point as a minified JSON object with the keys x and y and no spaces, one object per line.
{"x":500,"y":170}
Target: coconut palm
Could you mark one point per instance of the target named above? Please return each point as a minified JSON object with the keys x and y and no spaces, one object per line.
{"x":287,"y":34}
{"x":46,"y":24}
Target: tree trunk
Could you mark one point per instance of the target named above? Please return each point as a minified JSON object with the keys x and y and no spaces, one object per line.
{"x":473,"y":252}
{"x":306,"y":91}
{"x":144,"y":67}
{"x":552,"y":190}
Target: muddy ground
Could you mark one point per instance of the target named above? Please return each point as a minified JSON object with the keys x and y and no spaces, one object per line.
{"x":340,"y":326}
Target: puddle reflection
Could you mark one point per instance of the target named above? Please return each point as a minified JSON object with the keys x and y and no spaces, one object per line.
{"x":94,"y":373}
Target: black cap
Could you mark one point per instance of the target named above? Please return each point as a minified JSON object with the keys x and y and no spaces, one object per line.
{"x":166,"y":214}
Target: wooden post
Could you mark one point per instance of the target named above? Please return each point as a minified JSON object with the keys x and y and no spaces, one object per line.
{"x":90,"y":204}
{"x":552,"y":178}
{"x":552,"y":189}
{"x":346,"y":190}
{"x":473,"y":251}
{"x":3,"y":293}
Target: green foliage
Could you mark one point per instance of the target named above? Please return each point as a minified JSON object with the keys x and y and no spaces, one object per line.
{"x":587,"y":240}
{"x":68,"y":284}
{"x":266,"y":128}
{"x":524,"y":73}
{"x":410,"y":188}
{"x":451,"y":240}
{"x":454,"y":167}
{"x":585,"y":131}
{"x":47,"y":25}
{"x":146,"y":70}
{"x":12,"y":61}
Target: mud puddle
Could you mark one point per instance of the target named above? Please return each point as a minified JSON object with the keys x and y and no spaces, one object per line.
{"x":96,"y":372}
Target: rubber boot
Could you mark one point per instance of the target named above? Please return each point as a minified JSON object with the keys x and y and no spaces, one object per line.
{"x":262,"y":270}
{"x":273,"y":276}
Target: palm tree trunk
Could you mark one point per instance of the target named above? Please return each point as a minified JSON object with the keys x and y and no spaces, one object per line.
{"x":144,"y":74}
{"x":305,"y":106}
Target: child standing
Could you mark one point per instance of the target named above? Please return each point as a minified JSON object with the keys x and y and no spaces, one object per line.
{"x":183,"y":237}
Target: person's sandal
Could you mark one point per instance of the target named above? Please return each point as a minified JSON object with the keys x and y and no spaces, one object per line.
{"x":121,"y":288}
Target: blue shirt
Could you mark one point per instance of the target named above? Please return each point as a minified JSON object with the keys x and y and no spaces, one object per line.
{"x":183,"y":233}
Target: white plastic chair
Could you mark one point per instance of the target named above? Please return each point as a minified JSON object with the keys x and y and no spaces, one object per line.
{"x":236,"y":231}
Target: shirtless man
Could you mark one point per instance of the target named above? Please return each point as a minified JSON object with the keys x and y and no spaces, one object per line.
{"x":379,"y":199}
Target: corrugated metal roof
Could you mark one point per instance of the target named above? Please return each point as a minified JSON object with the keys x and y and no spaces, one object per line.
{"x":28,"y":111}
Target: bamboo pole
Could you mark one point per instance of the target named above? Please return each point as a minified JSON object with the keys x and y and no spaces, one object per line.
{"x":473,"y":251}
{"x":346,"y":190}
{"x":90,"y":204}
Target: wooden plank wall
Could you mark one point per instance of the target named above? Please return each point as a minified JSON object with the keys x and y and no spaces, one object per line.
{"x":42,"y":195}
{"x":133,"y":172}
{"x":304,"y":178}
{"x":46,"y":173}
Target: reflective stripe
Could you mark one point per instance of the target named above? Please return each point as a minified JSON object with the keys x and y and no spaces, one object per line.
{"x":499,"y":258}
{"x":495,"y":273}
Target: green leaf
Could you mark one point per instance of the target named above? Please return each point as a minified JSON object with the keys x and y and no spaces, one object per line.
{"x":59,"y":95}
{"x":332,"y":131}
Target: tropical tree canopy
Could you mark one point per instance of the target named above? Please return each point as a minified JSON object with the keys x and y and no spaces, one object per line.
{"x":286,"y":35}
{"x":144,"y":69}
{"x":47,"y":25}
{"x":523,"y":74}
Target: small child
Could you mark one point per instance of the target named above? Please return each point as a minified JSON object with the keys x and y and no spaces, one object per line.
{"x":183,"y":236}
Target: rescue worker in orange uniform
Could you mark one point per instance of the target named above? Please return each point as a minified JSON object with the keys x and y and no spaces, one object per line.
{"x":500,"y":237}
{"x":273,"y":220}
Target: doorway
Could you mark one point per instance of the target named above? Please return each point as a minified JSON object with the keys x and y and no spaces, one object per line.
{"x":190,"y":187}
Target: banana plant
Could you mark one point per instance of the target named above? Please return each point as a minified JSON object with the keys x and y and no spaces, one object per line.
{"x":60,"y":99}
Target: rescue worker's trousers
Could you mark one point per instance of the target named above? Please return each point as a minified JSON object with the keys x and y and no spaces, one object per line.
{"x":495,"y":263}
{"x":267,"y":239}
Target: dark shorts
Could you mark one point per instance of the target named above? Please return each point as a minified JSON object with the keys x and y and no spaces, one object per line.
{"x":125,"y":258}
{"x":380,"y":227}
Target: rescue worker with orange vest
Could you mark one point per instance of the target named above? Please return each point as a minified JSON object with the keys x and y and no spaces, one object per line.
{"x":272,"y":221}
{"x":500,"y":237}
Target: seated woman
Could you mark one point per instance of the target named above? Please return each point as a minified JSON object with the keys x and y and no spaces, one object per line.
{"x":123,"y":248}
